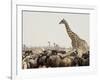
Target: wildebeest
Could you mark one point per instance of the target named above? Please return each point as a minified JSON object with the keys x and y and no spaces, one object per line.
{"x":33,"y":63}
{"x":41,"y":61}
{"x":53,"y":61}
{"x":53,"y":58}
{"x":29,"y":62}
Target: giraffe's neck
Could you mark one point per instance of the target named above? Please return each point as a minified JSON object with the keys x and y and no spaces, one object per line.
{"x":67,"y":27}
{"x":71,"y":34}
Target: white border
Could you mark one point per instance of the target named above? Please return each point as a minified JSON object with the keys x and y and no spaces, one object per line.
{"x":42,"y":73}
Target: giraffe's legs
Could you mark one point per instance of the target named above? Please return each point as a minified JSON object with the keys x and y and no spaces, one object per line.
{"x":71,"y":51}
{"x":80,"y":53}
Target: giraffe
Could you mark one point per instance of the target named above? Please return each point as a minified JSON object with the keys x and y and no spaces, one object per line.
{"x":78,"y":44}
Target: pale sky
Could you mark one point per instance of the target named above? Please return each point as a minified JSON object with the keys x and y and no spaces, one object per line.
{"x":41,"y":27}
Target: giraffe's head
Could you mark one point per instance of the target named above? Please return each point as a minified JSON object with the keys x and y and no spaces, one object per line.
{"x":62,"y":21}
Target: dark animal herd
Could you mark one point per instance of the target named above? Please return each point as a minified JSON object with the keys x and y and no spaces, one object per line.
{"x":53,"y":58}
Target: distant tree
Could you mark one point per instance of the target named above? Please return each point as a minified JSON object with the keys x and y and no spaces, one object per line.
{"x":24,"y":47}
{"x":54,"y":44}
{"x":49,"y":44}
